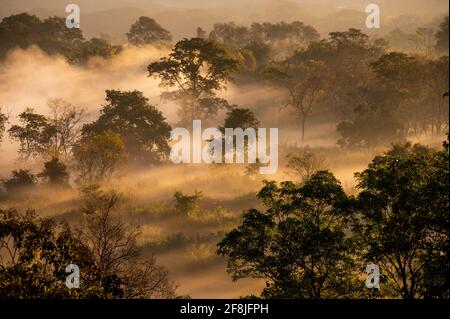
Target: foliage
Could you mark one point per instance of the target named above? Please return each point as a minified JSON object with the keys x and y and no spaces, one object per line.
{"x":197,"y":68}
{"x":142,"y":128}
{"x":34,"y":135}
{"x":298,"y":245}
{"x":94,"y":47}
{"x":184,"y":204}
{"x":401,"y":216}
{"x":305,"y":164}
{"x":35,"y":253}
{"x":45,"y":137}
{"x":98,"y":157}
{"x":3,"y":120}
{"x":20,"y":180}
{"x":50,"y":34}
{"x":147,"y":31}
{"x":55,"y":172}
{"x":442,"y":37}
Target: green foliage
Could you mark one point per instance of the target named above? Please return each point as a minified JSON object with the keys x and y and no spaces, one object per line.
{"x":298,"y":245}
{"x":401,"y":217}
{"x":197,"y":68}
{"x":142,"y":128}
{"x":147,"y":31}
{"x":45,"y":137}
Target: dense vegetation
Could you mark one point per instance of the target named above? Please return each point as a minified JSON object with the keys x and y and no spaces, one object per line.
{"x":306,"y":238}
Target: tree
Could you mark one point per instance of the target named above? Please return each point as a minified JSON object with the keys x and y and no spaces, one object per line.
{"x":94,"y":47}
{"x":240,"y":118}
{"x":142,"y":128}
{"x":55,"y":173}
{"x":442,"y":37}
{"x":304,"y":83}
{"x":48,"y":136}
{"x":3,"y":120}
{"x":147,"y":31}
{"x":51,"y":34}
{"x":119,"y":261}
{"x":184,"y":204}
{"x":197,"y":68}
{"x":372,"y":125}
{"x":20,"y":180}
{"x":34,"y":135}
{"x":401,"y":217}
{"x":34,"y":255}
{"x":35,"y":252}
{"x":298,"y":245}
{"x":425,"y":41}
{"x":305,"y":164}
{"x":98,"y":157}
{"x":66,"y":120}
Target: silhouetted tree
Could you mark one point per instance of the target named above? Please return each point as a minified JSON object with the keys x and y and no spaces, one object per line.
{"x":147,"y":31}
{"x":55,"y":173}
{"x":197,"y":68}
{"x":298,"y":245}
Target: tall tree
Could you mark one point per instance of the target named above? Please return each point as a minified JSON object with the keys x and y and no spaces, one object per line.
{"x":442,"y":37}
{"x":304,"y":82}
{"x":197,"y":68}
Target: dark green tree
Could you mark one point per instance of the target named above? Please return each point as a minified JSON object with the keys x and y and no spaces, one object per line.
{"x":143,"y":128}
{"x":401,"y":218}
{"x":298,"y":245}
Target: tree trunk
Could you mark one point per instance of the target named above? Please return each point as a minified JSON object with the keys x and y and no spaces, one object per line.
{"x":302,"y":125}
